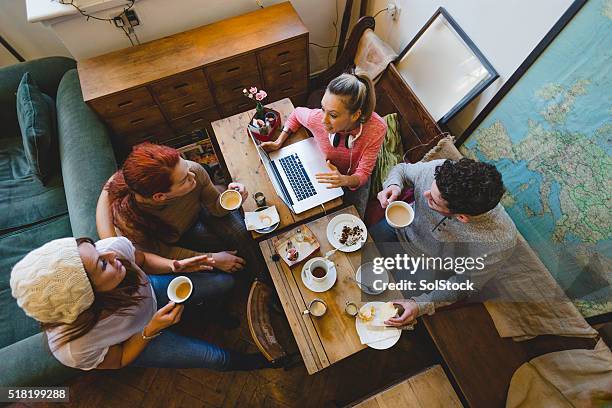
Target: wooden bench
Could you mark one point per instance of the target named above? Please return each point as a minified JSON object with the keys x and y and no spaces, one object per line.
{"x":428,"y":389}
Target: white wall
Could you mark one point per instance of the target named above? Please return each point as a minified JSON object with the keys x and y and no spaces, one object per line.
{"x":29,"y":40}
{"x":506,"y":31}
{"x":159,"y":18}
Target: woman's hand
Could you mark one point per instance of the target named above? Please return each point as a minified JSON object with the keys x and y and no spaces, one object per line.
{"x":239,"y":187}
{"x":193,"y":264}
{"x":334,"y":178}
{"x":271,"y":146}
{"x":164,"y":317}
{"x":227,"y":261}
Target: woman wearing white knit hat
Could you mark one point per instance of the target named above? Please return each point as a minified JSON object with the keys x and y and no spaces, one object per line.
{"x":99,"y":309}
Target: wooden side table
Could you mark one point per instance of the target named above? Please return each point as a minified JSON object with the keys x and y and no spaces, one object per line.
{"x":244,"y":166}
{"x":326,"y":340}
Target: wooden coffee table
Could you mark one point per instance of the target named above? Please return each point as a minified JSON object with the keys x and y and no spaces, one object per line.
{"x":244,"y":166}
{"x":324,"y":340}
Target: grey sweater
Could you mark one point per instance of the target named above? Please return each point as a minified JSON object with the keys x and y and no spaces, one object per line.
{"x":492,"y":233}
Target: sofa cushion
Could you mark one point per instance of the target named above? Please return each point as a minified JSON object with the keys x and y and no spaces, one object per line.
{"x":36,"y":116}
{"x":14,"y":324}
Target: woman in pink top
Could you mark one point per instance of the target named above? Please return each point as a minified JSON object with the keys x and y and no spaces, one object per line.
{"x":348,"y":132}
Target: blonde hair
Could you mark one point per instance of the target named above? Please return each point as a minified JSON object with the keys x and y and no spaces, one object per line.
{"x":358,"y":93}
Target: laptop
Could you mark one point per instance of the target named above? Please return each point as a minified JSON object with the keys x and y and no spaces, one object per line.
{"x":292,"y":170}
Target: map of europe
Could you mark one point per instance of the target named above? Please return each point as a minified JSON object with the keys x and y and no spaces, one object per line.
{"x":551,"y":138}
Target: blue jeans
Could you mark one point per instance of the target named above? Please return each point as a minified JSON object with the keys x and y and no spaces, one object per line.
{"x":172,"y":350}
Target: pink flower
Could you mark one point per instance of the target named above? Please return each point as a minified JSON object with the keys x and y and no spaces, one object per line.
{"x":260,"y":96}
{"x":253,"y":90}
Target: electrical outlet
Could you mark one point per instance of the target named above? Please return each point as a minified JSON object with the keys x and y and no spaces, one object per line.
{"x":393,"y":10}
{"x":132,"y":18}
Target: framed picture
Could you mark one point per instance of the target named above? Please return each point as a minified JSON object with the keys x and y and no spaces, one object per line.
{"x":444,"y":67}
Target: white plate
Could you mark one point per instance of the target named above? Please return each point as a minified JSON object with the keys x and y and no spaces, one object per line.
{"x":319,"y":286}
{"x":334,"y":232}
{"x":268,"y":229}
{"x":362,"y":327}
{"x":384,"y":277}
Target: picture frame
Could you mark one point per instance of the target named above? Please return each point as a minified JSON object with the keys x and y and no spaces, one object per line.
{"x":460,"y":71}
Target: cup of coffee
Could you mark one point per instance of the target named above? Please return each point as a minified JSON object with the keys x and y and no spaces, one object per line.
{"x":180,"y":289}
{"x":351,"y":308}
{"x":399,"y":214}
{"x":230,"y":199}
{"x":318,"y":270}
{"x":317,"y":307}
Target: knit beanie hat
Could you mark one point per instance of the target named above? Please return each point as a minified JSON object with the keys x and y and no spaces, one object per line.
{"x":51,"y":284}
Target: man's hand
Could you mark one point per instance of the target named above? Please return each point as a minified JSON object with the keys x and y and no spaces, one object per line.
{"x":164,"y":317}
{"x":194,"y":264}
{"x":239,"y":187}
{"x":411,"y":311}
{"x":227,"y":261}
{"x":389,"y":195}
{"x":333,"y":178}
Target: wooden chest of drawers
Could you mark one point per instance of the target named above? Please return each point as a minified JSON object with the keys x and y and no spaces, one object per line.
{"x":166,"y":88}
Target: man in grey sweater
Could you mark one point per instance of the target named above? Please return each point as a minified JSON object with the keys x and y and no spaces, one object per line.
{"x":457,"y":216}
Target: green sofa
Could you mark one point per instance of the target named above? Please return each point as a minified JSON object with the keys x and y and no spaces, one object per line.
{"x":32,"y":213}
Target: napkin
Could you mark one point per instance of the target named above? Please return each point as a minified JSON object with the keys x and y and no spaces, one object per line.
{"x":261,"y":219}
{"x":374,"y":334}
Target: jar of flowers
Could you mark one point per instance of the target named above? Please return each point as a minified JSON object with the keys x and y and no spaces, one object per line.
{"x":265,"y":121}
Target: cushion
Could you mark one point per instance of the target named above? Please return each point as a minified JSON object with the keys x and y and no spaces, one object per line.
{"x":445,"y":149}
{"x":37,"y":121}
{"x":390,"y":153}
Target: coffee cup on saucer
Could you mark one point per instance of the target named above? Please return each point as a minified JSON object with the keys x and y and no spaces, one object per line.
{"x":230,"y":199}
{"x":318,"y":270}
{"x":399,"y":214}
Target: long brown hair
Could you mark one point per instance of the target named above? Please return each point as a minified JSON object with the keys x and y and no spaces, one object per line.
{"x":117,"y":301}
{"x":146,"y":171}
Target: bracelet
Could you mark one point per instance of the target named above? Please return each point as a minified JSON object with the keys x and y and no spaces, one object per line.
{"x":287,"y":131}
{"x":145,"y":337}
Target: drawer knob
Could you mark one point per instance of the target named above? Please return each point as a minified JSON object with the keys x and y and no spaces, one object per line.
{"x":188,"y":104}
{"x":135,"y":121}
{"x":233,"y":69}
{"x":179,"y":86}
{"x":286,"y":89}
{"x":284,"y":73}
{"x":198,"y":120}
{"x":281,"y":54}
{"x":124,"y":104}
{"x":237,"y":87}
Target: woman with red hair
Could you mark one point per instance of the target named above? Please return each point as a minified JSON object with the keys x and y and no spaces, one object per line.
{"x":169,"y":206}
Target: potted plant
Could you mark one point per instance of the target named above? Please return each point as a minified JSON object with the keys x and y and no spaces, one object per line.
{"x":265,"y":121}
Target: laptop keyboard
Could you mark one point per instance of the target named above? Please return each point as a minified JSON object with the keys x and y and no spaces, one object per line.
{"x":298,"y":178}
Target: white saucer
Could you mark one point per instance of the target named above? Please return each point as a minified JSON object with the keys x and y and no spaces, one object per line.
{"x":362,"y":327}
{"x":384,"y":277}
{"x":334,"y":232}
{"x":268,"y":229}
{"x":323,"y":286}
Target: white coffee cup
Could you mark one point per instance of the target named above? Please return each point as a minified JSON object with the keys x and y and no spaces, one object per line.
{"x":315,"y":264}
{"x":180,"y":289}
{"x":399,"y":214}
{"x":317,"y":307}
{"x":230,"y":199}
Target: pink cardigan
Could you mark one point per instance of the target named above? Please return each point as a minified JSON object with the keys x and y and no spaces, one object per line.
{"x":364,"y":152}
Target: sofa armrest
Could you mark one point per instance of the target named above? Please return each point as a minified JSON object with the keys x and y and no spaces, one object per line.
{"x":29,"y":363}
{"x":86,"y":155}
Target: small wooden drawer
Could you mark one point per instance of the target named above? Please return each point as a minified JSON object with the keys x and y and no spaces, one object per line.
{"x":181,"y":85}
{"x":157,"y":134}
{"x":283,"y":54}
{"x":122,"y":103}
{"x":285,"y":91}
{"x":234,"y":68}
{"x":292,"y":74}
{"x":231,"y":90}
{"x":184,"y":106}
{"x":238,"y":106}
{"x":134,"y":122}
{"x":195,"y":121}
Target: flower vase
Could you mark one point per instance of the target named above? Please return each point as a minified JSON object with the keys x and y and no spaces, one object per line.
{"x":271,"y":122}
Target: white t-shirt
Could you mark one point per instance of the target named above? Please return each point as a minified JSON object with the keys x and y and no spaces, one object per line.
{"x":89,"y":350}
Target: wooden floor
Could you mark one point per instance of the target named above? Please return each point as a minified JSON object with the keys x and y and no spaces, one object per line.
{"x":346,"y":381}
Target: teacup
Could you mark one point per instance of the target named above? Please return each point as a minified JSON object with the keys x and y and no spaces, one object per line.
{"x":399,"y":214}
{"x":230,"y":199}
{"x":317,"y":307}
{"x":318,"y":270}
{"x":180,"y":289}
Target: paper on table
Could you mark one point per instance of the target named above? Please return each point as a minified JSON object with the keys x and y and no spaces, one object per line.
{"x":261,"y":219}
{"x":375,"y":334}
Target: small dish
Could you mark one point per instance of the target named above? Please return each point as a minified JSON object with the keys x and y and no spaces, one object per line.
{"x":334,"y":232}
{"x":315,"y":286}
{"x":369,"y":279}
{"x":268,"y":229}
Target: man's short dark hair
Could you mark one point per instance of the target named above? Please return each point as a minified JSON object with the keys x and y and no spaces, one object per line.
{"x":469,"y":187}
